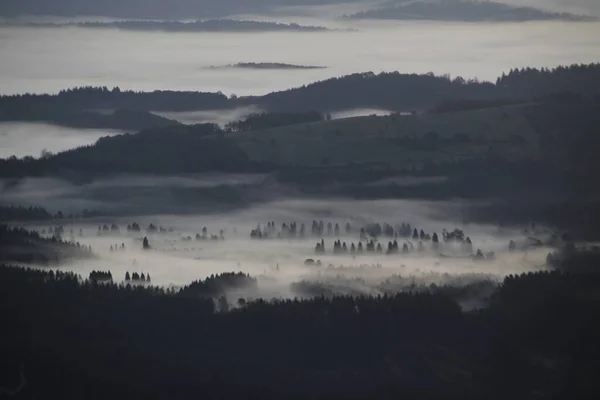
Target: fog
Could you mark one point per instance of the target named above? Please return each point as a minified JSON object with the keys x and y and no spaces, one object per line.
{"x":30,"y":139}
{"x":175,"y":260}
{"x":219,"y":117}
{"x":50,"y":59}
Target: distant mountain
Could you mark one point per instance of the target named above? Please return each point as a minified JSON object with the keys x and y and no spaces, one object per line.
{"x":268,"y":65}
{"x":464,"y":10}
{"x":213,"y":25}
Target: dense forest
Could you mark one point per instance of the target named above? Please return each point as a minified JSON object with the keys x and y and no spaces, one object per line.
{"x":62,"y":335}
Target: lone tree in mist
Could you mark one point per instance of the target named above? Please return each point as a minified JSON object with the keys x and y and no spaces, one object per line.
{"x":145,"y":244}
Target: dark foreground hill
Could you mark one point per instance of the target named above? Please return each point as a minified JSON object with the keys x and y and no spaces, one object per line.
{"x":67,"y":338}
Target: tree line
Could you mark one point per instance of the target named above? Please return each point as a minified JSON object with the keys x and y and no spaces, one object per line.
{"x":388,"y":90}
{"x":21,"y":213}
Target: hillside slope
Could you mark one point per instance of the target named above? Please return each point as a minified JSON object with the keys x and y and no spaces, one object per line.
{"x":399,"y":142}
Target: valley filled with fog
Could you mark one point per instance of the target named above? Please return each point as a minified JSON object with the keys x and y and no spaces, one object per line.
{"x":30,"y":139}
{"x":183,"y":253}
{"x":46,"y":60}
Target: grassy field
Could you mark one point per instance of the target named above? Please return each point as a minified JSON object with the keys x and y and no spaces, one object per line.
{"x":400,"y":142}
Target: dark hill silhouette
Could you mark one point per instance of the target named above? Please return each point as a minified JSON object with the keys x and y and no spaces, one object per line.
{"x":413,"y":91}
{"x":268,"y":65}
{"x":393,"y":91}
{"x":465,"y":10}
{"x":121,"y":119}
{"x":196,"y":148}
{"x":386,"y":90}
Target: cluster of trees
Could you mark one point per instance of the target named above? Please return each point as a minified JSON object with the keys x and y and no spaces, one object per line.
{"x":137,"y":278}
{"x":218,"y":285}
{"x":25,"y":246}
{"x":100,"y":277}
{"x":20,"y":213}
{"x":258,"y":121}
{"x":538,"y":335}
{"x":532,"y":83}
{"x":291,"y":231}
